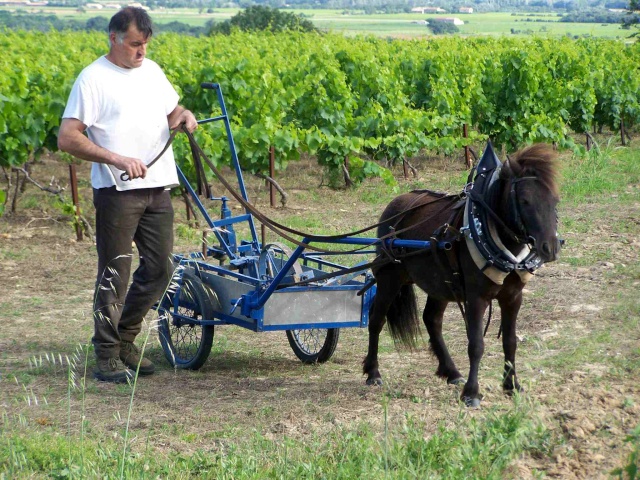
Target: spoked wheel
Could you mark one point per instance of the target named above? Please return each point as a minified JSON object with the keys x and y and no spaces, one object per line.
{"x":185,"y":341}
{"x":315,"y":345}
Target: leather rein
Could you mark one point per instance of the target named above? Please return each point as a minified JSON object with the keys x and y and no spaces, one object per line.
{"x":278,"y":228}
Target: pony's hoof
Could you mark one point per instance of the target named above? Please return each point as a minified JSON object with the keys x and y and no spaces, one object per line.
{"x":457,"y":381}
{"x":471,"y":402}
{"x":376,"y":381}
{"x":510,"y":392}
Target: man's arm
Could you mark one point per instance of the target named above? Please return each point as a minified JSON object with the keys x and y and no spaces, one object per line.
{"x":71,"y":139}
{"x":182,"y":115}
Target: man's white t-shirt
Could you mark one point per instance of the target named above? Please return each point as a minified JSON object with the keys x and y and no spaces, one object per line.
{"x":125,"y":111}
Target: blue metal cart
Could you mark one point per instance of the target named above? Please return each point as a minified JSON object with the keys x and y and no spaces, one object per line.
{"x":261,"y":287}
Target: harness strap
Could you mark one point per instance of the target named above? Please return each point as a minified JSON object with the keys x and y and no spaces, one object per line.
{"x":452,"y":234}
{"x":513,"y":201}
{"x":454,"y":283}
{"x":125,"y":176}
{"x":480,"y":200}
{"x":489,"y":321}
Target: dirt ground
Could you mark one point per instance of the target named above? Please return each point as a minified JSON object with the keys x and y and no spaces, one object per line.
{"x":576,"y":359}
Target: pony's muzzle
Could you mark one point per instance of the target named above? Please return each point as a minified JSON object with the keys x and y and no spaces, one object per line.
{"x":547,"y":250}
{"x":550,"y":250}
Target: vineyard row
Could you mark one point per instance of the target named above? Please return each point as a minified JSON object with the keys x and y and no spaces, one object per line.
{"x":335,"y":97}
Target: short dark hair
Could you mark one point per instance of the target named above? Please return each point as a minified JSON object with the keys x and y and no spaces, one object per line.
{"x":121,"y":21}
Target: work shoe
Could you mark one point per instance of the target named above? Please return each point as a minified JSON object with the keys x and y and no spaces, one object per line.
{"x":112,"y":370}
{"x":130,"y":355}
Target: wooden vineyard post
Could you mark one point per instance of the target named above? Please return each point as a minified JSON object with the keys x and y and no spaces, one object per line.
{"x":272,"y":174}
{"x":74,"y":195}
{"x":272,"y":190}
{"x":205,"y":241}
{"x":188,"y":209}
{"x":405,"y":170}
{"x":345,"y":171}
{"x":467,"y":154}
{"x":622,"y":140}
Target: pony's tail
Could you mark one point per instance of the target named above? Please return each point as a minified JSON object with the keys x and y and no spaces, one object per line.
{"x":402,"y":317}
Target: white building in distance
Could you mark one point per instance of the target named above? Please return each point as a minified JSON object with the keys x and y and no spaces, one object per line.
{"x":454,"y":20}
{"x":138,"y":5}
{"x":424,"y":10}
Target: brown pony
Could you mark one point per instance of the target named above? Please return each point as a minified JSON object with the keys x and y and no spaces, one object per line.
{"x":501,"y":228}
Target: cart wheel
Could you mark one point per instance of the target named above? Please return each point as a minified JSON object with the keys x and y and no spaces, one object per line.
{"x":272,"y":258}
{"x":186,"y":343}
{"x":314,"y":345}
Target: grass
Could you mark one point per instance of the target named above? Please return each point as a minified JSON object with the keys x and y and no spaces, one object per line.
{"x":587,"y":260}
{"x":605,"y":169}
{"x":15,"y":255}
{"x":188,"y":233}
{"x":481,"y":447}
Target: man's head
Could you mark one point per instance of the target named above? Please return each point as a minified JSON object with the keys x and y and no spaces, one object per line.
{"x":129,"y":32}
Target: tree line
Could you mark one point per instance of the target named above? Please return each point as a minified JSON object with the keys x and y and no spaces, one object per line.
{"x":601,"y":16}
{"x":252,"y":18}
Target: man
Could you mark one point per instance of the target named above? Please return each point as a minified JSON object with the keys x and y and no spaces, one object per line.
{"x":126,"y":106}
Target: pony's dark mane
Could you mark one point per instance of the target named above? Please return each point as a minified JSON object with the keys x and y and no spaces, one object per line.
{"x":538,"y":160}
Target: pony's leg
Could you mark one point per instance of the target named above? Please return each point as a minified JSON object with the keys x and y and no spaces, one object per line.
{"x":432,"y":318}
{"x":509,"y":307}
{"x":475,"y":311}
{"x":388,"y":287}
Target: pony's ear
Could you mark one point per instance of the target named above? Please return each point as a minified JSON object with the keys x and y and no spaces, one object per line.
{"x":489,"y":160}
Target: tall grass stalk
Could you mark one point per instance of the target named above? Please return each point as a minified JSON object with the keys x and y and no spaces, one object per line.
{"x":385,"y":410}
{"x":69,"y":382}
{"x":83,"y":407}
{"x":131,"y":397}
{"x":171,"y":287}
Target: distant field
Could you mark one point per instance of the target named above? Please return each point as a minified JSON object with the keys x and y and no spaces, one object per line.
{"x":397,"y":25}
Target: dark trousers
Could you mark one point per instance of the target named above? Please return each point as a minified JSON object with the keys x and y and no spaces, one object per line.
{"x":143,"y":216}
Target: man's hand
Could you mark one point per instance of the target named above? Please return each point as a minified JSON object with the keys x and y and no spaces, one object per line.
{"x":72,"y":140}
{"x":182,"y":115}
{"x":134,"y":167}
